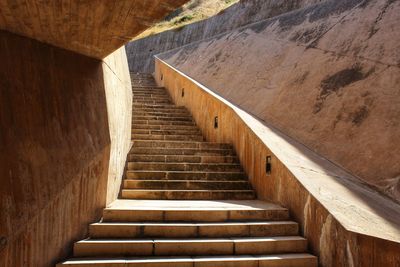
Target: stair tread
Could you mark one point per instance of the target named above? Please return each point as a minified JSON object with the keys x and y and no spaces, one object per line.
{"x":193,"y":205}
{"x":183,"y":224}
{"x":191,"y":240}
{"x":220,"y":172}
{"x":191,"y":181}
{"x":185,"y":163}
{"x":183,"y":190}
{"x":176,"y":259}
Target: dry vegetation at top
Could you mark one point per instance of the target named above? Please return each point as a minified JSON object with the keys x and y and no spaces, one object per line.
{"x":192,"y":11}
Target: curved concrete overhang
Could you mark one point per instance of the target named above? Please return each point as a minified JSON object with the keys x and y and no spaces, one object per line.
{"x":93,"y":28}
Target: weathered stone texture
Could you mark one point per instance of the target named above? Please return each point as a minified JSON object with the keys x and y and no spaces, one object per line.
{"x":346,"y":222}
{"x":57,"y":131}
{"x":326,"y":75}
{"x":140,"y":52}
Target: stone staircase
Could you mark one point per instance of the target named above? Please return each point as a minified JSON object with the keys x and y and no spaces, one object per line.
{"x":186,"y":202}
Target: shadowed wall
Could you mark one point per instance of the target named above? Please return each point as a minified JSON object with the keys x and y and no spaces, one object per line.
{"x":55,"y":146}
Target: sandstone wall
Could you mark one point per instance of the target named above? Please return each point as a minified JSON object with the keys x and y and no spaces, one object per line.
{"x":64,"y":133}
{"x":346,"y":223}
{"x":119,"y":105}
{"x":141,"y":52}
{"x":326,"y":75}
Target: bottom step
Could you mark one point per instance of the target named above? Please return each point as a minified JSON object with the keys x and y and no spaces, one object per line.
{"x":281,"y":260}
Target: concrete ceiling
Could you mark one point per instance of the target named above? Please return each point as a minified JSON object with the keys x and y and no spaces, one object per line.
{"x":91,"y":27}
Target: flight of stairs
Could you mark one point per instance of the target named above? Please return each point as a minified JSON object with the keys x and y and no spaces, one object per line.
{"x":186,"y":202}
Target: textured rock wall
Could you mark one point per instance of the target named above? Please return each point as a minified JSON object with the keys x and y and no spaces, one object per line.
{"x":141,"y":52}
{"x":58,"y":141}
{"x":326,"y":75}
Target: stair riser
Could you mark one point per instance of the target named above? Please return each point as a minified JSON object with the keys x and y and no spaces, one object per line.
{"x":148,"y":89}
{"x":165,"y":132}
{"x":171,"y":248}
{"x":183,"y":167}
{"x":148,"y":175}
{"x":177,"y":152}
{"x":193,"y":215}
{"x":163,"y":127}
{"x":151,"y":102}
{"x":192,"y":231}
{"x":197,"y":138}
{"x":138,"y":85}
{"x":186,"y":185}
{"x":250,"y":261}
{"x":172,"y":144}
{"x":157,"y":107}
{"x":162,"y":122}
{"x":156,"y":118}
{"x":150,"y":96}
{"x":184,"y":195}
{"x":187,"y":159}
{"x":161,"y":114}
{"x":170,"y":109}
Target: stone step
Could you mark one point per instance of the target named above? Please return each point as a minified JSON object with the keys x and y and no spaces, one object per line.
{"x":193,"y":211}
{"x":162,"y":122}
{"x":140,"y":81}
{"x":163,"y":113}
{"x":178,"y":113}
{"x":182,"y":158}
{"x":187,"y":194}
{"x":141,"y":74}
{"x":164,"y":127}
{"x":193,"y":229}
{"x":160,"y":108}
{"x":197,"y":137}
{"x":179,"y":144}
{"x":274,"y":260}
{"x":166,"y":132}
{"x":185,"y":175}
{"x":182,"y":151}
{"x":138,"y":84}
{"x":157,"y":107}
{"x":143,"y":77}
{"x":165,"y":110}
{"x":151,"y":95}
{"x":186,"y":185}
{"x":147,"y":88}
{"x":160,"y":166}
{"x":151,"y":102}
{"x":162,"y":94}
{"x":189,"y":247}
{"x":163,"y":118}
